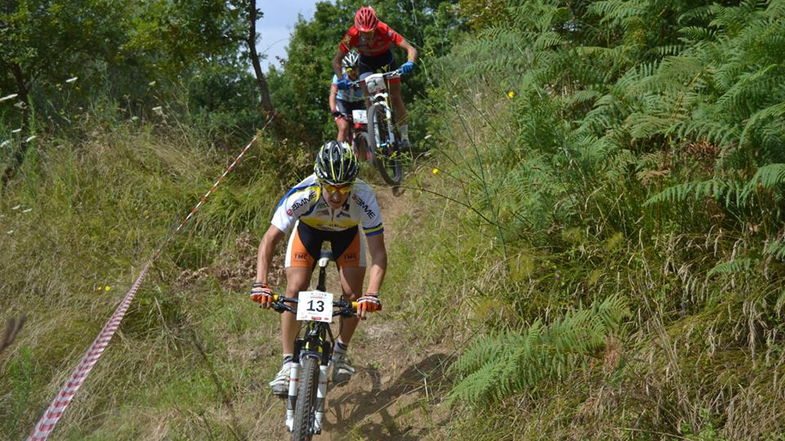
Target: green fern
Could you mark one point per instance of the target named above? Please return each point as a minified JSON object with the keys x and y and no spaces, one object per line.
{"x":715,"y":188}
{"x":734,"y":266}
{"x":775,"y":248}
{"x":497,"y":366}
{"x":768,"y":176}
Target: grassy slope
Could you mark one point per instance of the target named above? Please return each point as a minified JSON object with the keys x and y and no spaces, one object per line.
{"x":89,"y":215}
{"x":698,"y":356}
{"x":186,"y":363}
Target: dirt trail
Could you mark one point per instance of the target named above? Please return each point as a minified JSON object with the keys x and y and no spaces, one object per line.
{"x":391,"y":396}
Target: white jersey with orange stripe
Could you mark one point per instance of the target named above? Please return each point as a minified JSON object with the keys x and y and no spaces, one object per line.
{"x":304,"y":202}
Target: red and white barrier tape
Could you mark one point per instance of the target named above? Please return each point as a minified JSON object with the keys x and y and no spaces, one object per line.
{"x":55,"y":410}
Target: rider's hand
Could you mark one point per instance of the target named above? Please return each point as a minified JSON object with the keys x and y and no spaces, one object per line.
{"x":368,"y":303}
{"x":407,"y":67}
{"x":344,"y":83}
{"x":337,"y":114}
{"x":262,"y":294}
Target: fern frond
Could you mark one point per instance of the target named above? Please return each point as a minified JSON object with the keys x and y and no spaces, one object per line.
{"x":734,"y":266}
{"x":698,"y":33}
{"x":489,"y":347}
{"x":520,"y":362}
{"x":776,"y":112}
{"x":768,"y":176}
{"x":775,"y":248}
{"x":715,"y":188}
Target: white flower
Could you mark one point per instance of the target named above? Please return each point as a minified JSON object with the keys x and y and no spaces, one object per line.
{"x":16,"y":130}
{"x":9,"y":232}
{"x":16,"y":208}
{"x":9,"y":97}
{"x":27,"y":210}
{"x":5,"y":143}
{"x":71,"y":80}
{"x":30,"y":138}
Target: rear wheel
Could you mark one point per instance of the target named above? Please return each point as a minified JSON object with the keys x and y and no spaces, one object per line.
{"x":362,"y":148}
{"x":387,"y":156}
{"x":302,"y":429}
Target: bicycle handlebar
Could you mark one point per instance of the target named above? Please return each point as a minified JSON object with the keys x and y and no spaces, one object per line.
{"x":391,"y":74}
{"x":346,"y":308}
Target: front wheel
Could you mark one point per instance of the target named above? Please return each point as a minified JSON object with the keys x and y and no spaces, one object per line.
{"x":385,"y":147}
{"x":302,"y":429}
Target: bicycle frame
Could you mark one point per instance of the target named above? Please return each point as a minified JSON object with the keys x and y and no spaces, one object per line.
{"x":316,"y":342}
{"x":385,"y":145}
{"x":376,"y":84}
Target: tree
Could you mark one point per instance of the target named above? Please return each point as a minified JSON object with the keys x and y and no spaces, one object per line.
{"x":264,"y":90}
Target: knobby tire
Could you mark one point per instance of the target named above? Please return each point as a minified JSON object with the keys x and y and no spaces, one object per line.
{"x":364,"y":139}
{"x":385,"y":152}
{"x":302,"y":430}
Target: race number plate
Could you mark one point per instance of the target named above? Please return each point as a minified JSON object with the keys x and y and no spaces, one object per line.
{"x":375,"y":83}
{"x":315,"y":306}
{"x":360,"y":116}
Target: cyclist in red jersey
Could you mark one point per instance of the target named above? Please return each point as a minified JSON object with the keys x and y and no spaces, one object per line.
{"x":372,"y":38}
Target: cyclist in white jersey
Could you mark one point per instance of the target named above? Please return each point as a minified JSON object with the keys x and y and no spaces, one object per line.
{"x":343,"y":101}
{"x":329,"y":205}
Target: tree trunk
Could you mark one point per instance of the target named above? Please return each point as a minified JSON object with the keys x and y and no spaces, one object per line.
{"x":21,"y":149}
{"x":264,"y":90}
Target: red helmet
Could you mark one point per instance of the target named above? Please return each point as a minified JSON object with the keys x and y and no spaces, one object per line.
{"x":365,"y":20}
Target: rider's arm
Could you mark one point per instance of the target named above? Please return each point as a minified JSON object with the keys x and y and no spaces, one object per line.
{"x":265,"y":255}
{"x":337,"y":63}
{"x":411,"y":52}
{"x":333,"y":94}
{"x":378,"y":262}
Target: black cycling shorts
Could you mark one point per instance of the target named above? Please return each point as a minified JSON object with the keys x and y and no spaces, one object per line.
{"x":305,"y":246}
{"x":371,"y":64}
{"x":346,"y":107}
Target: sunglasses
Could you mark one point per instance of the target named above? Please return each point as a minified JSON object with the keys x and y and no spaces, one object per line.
{"x":343,"y":189}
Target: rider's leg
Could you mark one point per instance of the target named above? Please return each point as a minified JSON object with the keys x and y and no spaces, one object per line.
{"x":343,"y":130}
{"x":350,"y":248}
{"x":400,"y":110}
{"x":352,"y":285}
{"x":297,"y":279}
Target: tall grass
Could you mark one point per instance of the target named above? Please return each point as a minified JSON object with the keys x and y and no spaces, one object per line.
{"x":78,"y":222}
{"x":571,"y":178}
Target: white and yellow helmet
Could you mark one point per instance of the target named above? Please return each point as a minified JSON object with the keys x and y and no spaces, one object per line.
{"x":336,"y":164}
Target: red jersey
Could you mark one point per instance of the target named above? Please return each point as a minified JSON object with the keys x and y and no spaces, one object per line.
{"x":382,"y":38}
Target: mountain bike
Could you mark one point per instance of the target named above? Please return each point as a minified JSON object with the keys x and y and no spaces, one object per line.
{"x":360,"y":139}
{"x":313,"y":350}
{"x":385,"y":151}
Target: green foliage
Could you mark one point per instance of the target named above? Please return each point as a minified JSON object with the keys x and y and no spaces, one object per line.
{"x":125,"y":57}
{"x":496,"y":366}
{"x":734,"y":266}
{"x":631,"y":150}
{"x":301,"y":89}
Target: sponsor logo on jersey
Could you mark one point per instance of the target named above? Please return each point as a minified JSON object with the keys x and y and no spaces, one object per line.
{"x":364,"y":206}
{"x":301,"y":203}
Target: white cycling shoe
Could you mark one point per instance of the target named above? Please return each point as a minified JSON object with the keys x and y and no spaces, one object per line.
{"x":280,"y":385}
{"x":342,"y":370}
